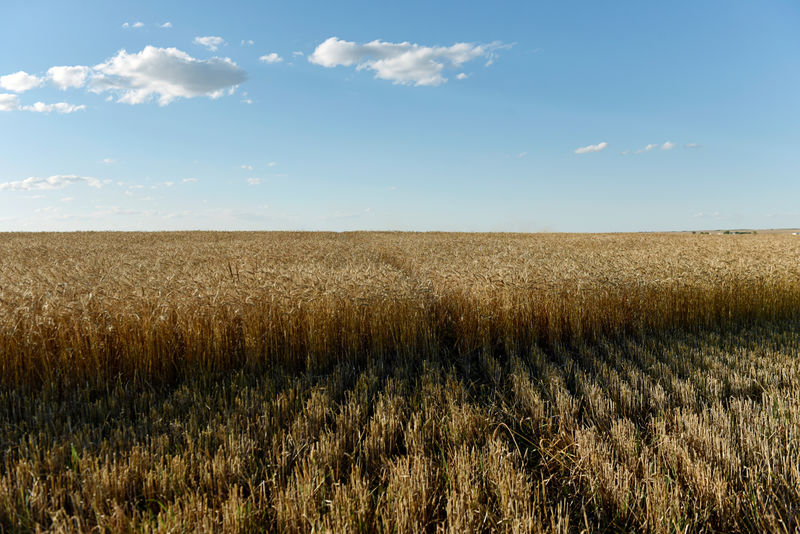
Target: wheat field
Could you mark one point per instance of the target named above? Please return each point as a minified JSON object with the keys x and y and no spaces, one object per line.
{"x":396,"y":382}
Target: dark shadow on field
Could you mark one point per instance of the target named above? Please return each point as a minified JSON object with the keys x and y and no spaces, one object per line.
{"x":656,"y":433}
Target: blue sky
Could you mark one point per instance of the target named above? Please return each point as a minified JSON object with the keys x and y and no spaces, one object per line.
{"x":466,"y":116}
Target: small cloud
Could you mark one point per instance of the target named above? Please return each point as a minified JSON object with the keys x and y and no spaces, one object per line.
{"x":521,"y":155}
{"x":19,"y":82}
{"x":168,"y":73}
{"x":53,"y":182}
{"x":272,"y":57}
{"x":402,"y":63}
{"x":624,"y":152}
{"x":109,"y":161}
{"x":67,"y":199}
{"x":692,"y":145}
{"x":246,"y":99}
{"x":169,"y":184}
{"x":591,"y":148}
{"x":189,"y":181}
{"x":254,"y":181}
{"x":58,"y":107}
{"x":167,"y":25}
{"x":212,"y":42}
{"x":65,"y":77}
{"x":138,"y":24}
{"x":462,"y":76}
{"x":271,"y":164}
{"x":668,"y":145}
{"x":248,"y":42}
{"x":246,"y":167}
{"x":125,"y":25}
{"x":9,"y":102}
{"x":297,"y":53}
{"x":648,"y":148}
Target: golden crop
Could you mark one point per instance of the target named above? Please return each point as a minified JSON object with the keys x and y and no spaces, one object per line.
{"x":393,"y":381}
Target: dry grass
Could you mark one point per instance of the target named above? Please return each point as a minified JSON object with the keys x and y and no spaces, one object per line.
{"x":399,"y":382}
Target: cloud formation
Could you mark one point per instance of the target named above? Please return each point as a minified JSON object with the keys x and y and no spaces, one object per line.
{"x":167,"y":73}
{"x":167,"y":25}
{"x":401,"y":63}
{"x":272,"y":57}
{"x":212,"y":42}
{"x":59,"y":181}
{"x":66,"y":77}
{"x":668,"y":145}
{"x":648,"y":148}
{"x":9,"y":102}
{"x":591,"y":148}
{"x":19,"y":82}
{"x":58,"y":107}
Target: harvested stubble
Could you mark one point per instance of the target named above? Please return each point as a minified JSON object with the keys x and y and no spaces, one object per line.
{"x":404,"y":382}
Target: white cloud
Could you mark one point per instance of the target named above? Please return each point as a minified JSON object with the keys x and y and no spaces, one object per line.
{"x":9,"y":102}
{"x":254,"y":181}
{"x":247,"y":167}
{"x":297,"y":53}
{"x":401,"y":63}
{"x":462,"y":76}
{"x":65,"y":77}
{"x":109,"y":161}
{"x":591,"y":148}
{"x":167,"y":25}
{"x":53,"y":182}
{"x":248,"y":42}
{"x":168,"y":73}
{"x":666,"y":146}
{"x":272,"y":57}
{"x":212,"y":42}
{"x":521,"y":155}
{"x":134,"y":25}
{"x":271,"y":163}
{"x":692,"y":145}
{"x":189,"y":181}
{"x":58,"y":107}
{"x":125,"y":25}
{"x":648,"y":148}
{"x":19,"y":82}
{"x":138,"y":25}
